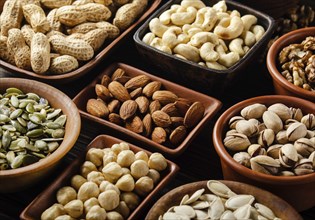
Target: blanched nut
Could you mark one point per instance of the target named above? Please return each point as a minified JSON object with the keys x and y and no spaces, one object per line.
{"x":109,"y":199}
{"x":139,"y":168}
{"x":117,"y":148}
{"x":77,"y":181}
{"x":148,"y":38}
{"x":126,"y":183}
{"x":189,"y":52}
{"x":96,"y":213}
{"x":53,"y":212}
{"x":64,"y":217}
{"x":113,"y":215}
{"x":141,"y":155}
{"x":207,"y":52}
{"x":227,"y":59}
{"x":157,"y":28}
{"x":157,"y":161}
{"x":95,"y":177}
{"x":125,"y":158}
{"x":87,"y":167}
{"x":258,"y":31}
{"x":95,"y":155}
{"x":143,"y":186}
{"x":88,"y":204}
{"x":74,"y":208}
{"x":236,"y":45}
{"x":206,"y":19}
{"x":112,"y":171}
{"x":203,"y":37}
{"x":66,"y":194}
{"x":194,"y":3}
{"x":87,"y":191}
{"x":109,"y":156}
{"x":184,"y":17}
{"x":123,"y":209}
{"x":131,"y":199}
{"x":165,"y":17}
{"x":249,"y":38}
{"x":174,"y":36}
{"x":158,"y":44}
{"x":231,"y":29}
{"x":154,"y":175}
{"x":106,"y":185}
{"x":220,"y":6}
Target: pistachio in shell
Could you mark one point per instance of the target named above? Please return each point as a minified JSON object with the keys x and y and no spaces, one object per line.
{"x":272,"y":121}
{"x":295,"y":131}
{"x":236,"y":142}
{"x":253,"y":111}
{"x":265,"y":164}
{"x":281,"y":110}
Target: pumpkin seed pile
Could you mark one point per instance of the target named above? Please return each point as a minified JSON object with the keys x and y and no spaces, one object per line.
{"x":222,"y":203}
{"x":30,"y":129}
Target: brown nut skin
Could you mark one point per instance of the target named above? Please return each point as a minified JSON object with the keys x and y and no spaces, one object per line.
{"x":97,"y":108}
{"x":194,"y":114}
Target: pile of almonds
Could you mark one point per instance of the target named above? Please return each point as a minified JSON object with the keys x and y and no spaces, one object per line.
{"x":145,"y":107}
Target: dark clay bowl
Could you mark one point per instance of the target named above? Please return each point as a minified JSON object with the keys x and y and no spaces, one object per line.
{"x":193,"y":74}
{"x":281,"y":85}
{"x":299,"y":191}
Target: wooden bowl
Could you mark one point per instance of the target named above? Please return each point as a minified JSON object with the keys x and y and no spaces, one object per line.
{"x":84,"y":69}
{"x":299,"y":191}
{"x":19,"y":179}
{"x":48,"y":197}
{"x":280,"y":208}
{"x":211,"y":105}
{"x":281,"y":85}
{"x":214,"y":81}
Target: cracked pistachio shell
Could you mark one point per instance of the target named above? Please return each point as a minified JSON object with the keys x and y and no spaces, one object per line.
{"x":295,"y":131}
{"x":304,"y":146}
{"x":310,"y":134}
{"x":255,"y":150}
{"x":74,"y":208}
{"x":281,"y":137}
{"x":288,"y":155}
{"x":296,"y":113}
{"x":286,"y":173}
{"x":272,"y":121}
{"x":312,"y":158}
{"x":273,"y":151}
{"x":96,"y":212}
{"x":281,"y":110}
{"x":234,"y":120}
{"x":66,"y":194}
{"x":242,"y":158}
{"x":266,"y":137}
{"x":309,"y":121}
{"x":246,"y":127}
{"x":88,"y":190}
{"x":53,"y":212}
{"x":253,"y":111}
{"x":304,"y":166}
{"x":236,"y":142}
{"x":265,"y":164}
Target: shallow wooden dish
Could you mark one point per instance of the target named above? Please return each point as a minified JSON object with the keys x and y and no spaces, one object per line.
{"x":21,"y":178}
{"x":48,"y":197}
{"x":280,"y":208}
{"x":211,"y":105}
{"x":299,"y":191}
{"x":106,"y":50}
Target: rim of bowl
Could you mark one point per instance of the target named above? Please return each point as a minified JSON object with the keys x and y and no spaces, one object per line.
{"x":247,"y":172}
{"x":65,"y":145}
{"x":272,"y":55}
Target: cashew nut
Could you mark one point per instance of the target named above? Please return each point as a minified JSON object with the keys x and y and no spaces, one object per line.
{"x":186,"y":17}
{"x":202,"y":64}
{"x":180,"y":56}
{"x":165,"y":17}
{"x":174,"y":36}
{"x":188,"y":51}
{"x":249,"y":38}
{"x":206,"y":18}
{"x":158,"y":44}
{"x":248,"y":21}
{"x":233,"y":30}
{"x":258,"y":31}
{"x":215,"y":65}
{"x":236,"y":45}
{"x":202,"y":37}
{"x":157,"y":28}
{"x":222,"y":43}
{"x":235,"y":13}
{"x":207,"y":52}
{"x":190,"y":30}
{"x":148,"y":38}
{"x":227,"y":59}
{"x":220,"y":6}
{"x":246,"y":49}
{"x":194,"y":3}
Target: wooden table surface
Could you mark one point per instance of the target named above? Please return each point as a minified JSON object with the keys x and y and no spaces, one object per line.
{"x":198,"y":162}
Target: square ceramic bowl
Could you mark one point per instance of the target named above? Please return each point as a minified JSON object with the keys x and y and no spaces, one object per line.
{"x":210,"y":104}
{"x":191,"y":73}
{"x":48,"y":196}
{"x":84,"y":68}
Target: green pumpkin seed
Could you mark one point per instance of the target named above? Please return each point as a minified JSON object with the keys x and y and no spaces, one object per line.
{"x":33,"y":96}
{"x":39,"y":155}
{"x":29,"y":159}
{"x":21,"y":152}
{"x":10,"y":156}
{"x":61,"y":120}
{"x":35,"y":119}
{"x":39,"y":107}
{"x":8,"y":128}
{"x":14,"y":101}
{"x":2,"y":160}
{"x":32,"y":148}
{"x":22,"y":121}
{"x":17,"y":162}
{"x":21,"y":96}
{"x":35,"y":133}
{"x":31,"y":125}
{"x":23,"y":105}
{"x":41,"y":145}
{"x":16,"y":113}
{"x":49,"y":131}
{"x":28,"y":101}
{"x":52,"y":146}
{"x":14,"y":90}
{"x":6,"y":139}
{"x":4,"y":118}
{"x":53,"y":114}
{"x":25,"y":116}
{"x":53,"y":125}
{"x":22,"y":143}
{"x":43,"y":113}
{"x":18,"y":126}
{"x":30,"y":108}
{"x":52,"y":139}
{"x":58,"y":133}
{"x":4,"y":166}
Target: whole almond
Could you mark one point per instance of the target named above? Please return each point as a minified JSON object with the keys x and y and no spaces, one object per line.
{"x":151,"y":87}
{"x":113,"y":106}
{"x":164,"y":96}
{"x":177,"y":121}
{"x":158,"y":135}
{"x":194,"y":114}
{"x":115,"y":118}
{"x":147,"y":125}
{"x":136,"y":93}
{"x":102,"y":92}
{"x":137,"y":81}
{"x":97,"y":108}
{"x":122,"y":79}
{"x":161,"y":119}
{"x":135,"y":125}
{"x":105,"y":80}
{"x":182,"y":105}
{"x":154,"y":106}
{"x":118,"y":91}
{"x":143,"y":104}
{"x":128,"y":109}
{"x":118,"y":73}
{"x":178,"y":135}
{"x":170,"y":109}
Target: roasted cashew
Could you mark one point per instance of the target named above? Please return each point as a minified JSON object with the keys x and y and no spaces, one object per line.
{"x":157,"y":28}
{"x":220,"y":6}
{"x":207,"y":52}
{"x":186,"y":17}
{"x":233,"y":30}
{"x":158,"y":44}
{"x":248,"y":21}
{"x":165,"y":17}
{"x":190,"y":30}
{"x":215,"y":65}
{"x":249,"y":38}
{"x":202,"y":37}
{"x":227,"y":59}
{"x":236,"y":45}
{"x":206,"y":18}
{"x":189,"y":52}
{"x":148,"y":38}
{"x":174,"y":36}
{"x":258,"y":31}
{"x":193,"y":3}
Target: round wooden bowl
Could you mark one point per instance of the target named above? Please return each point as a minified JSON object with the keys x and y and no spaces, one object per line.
{"x":299,"y":191}
{"x":280,"y":208}
{"x":21,"y":178}
{"x":281,"y":85}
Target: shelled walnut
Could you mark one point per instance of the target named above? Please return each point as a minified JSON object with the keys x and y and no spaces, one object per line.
{"x":145,"y":107}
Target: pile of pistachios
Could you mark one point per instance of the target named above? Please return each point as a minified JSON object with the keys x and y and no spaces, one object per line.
{"x":276,"y":140}
{"x":30,"y":129}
